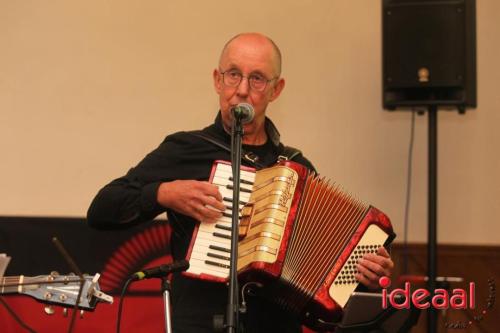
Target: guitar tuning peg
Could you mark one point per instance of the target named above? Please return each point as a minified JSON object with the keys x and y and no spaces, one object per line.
{"x":81,"y":314}
{"x":65,"y":312}
{"x":49,"y":310}
{"x":54,"y":273}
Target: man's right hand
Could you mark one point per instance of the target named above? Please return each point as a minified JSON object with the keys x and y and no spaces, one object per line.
{"x":190,"y":197}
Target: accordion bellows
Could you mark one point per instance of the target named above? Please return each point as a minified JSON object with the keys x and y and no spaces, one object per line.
{"x":300,"y":239}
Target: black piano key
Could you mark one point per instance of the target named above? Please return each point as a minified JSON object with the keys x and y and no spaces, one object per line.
{"x":217,"y":256}
{"x":219,"y":248}
{"x":230,"y":208}
{"x":242,"y":189}
{"x":223,"y":227}
{"x":213,"y":263}
{"x":230,"y":215}
{"x":242,"y":181}
{"x":218,"y":234}
{"x":231,"y":200}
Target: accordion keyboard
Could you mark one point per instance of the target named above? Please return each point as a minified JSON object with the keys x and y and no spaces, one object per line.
{"x":211,"y":250}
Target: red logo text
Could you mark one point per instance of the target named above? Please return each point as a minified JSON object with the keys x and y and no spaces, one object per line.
{"x":420,"y":298}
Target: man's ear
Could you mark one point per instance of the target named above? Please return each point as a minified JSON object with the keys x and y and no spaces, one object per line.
{"x":278,"y":87}
{"x":217,"y":81}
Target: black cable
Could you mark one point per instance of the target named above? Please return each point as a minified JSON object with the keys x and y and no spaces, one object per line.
{"x":75,"y":307}
{"x":16,"y":318}
{"x":74,"y":267}
{"x":120,"y":304}
{"x":408,"y":192}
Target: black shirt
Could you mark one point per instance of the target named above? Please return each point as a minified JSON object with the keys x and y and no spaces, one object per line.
{"x":131,"y":199}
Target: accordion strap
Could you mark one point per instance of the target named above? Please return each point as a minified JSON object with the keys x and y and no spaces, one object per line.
{"x":287,"y":152}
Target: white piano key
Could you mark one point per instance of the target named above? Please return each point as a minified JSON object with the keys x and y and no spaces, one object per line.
{"x":212,"y":238}
{"x":206,"y":256}
{"x":205,"y":236}
{"x":198,"y":267}
{"x":209,"y":247}
{"x":207,"y":241}
{"x":225,"y":170}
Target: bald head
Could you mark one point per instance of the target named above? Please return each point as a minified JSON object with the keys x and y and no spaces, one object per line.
{"x":258,"y":40}
{"x":253,"y":66}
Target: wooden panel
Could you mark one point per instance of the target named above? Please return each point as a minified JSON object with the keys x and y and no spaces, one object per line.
{"x":472,"y":263}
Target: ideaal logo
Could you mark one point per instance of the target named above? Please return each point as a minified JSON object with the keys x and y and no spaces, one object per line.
{"x":459,"y":299}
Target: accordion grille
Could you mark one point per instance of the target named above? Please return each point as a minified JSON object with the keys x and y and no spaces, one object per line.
{"x":326,"y":220}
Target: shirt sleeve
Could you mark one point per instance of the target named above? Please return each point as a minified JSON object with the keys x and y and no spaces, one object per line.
{"x":132,"y":199}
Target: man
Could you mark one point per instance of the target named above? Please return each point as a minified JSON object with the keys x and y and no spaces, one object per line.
{"x":173,"y":177}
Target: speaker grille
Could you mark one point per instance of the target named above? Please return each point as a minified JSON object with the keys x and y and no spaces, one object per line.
{"x":429,"y":53}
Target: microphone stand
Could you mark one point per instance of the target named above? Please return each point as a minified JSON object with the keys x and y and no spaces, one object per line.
{"x":163,"y":272}
{"x":232,"y":311}
{"x":166,"y":288}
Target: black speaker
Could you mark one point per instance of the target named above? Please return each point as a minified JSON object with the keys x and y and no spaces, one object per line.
{"x":429,"y":53}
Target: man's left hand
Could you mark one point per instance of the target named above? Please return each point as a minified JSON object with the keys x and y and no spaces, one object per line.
{"x":373,"y":266}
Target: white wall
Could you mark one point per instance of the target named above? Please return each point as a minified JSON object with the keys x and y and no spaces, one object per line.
{"x":87,"y":88}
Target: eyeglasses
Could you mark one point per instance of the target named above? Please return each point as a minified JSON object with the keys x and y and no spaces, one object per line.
{"x":232,"y":78}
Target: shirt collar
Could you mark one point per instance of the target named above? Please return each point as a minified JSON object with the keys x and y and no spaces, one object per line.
{"x":271,"y":130}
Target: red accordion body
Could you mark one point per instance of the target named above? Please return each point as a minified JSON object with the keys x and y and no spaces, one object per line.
{"x":300,"y":239}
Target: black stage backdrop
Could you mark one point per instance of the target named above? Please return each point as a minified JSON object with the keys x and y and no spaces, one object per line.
{"x":114,"y":253}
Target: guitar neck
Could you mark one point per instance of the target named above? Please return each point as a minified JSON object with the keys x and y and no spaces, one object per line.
{"x":64,"y":290}
{"x":22,"y":284}
{"x":13,"y":284}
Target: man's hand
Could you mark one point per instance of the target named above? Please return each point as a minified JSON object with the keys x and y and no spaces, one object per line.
{"x":190,"y":197}
{"x":373,"y":266}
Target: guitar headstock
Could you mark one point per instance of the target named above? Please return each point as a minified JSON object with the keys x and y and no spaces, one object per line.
{"x":63,"y":290}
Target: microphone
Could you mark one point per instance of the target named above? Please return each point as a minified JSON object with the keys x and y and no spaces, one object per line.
{"x":244,"y":112}
{"x":161,"y":271}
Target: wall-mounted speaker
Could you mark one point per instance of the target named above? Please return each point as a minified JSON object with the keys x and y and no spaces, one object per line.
{"x":429,"y":53}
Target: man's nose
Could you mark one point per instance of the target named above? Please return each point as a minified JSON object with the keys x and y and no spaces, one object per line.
{"x":243,"y":87}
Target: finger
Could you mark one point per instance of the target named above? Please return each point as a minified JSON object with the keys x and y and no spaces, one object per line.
{"x":208,"y":213}
{"x":367,"y":278}
{"x":384,"y":259}
{"x":383,"y":252}
{"x":211,"y":190}
{"x":199,"y":216}
{"x":209,"y":221}
{"x":385,"y":263}
{"x":212,"y":202}
{"x":367,"y":272}
{"x":380,"y":270}
{"x":218,"y":196}
{"x":365,"y":281}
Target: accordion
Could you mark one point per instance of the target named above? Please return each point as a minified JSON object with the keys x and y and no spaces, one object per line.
{"x":300,"y":237}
